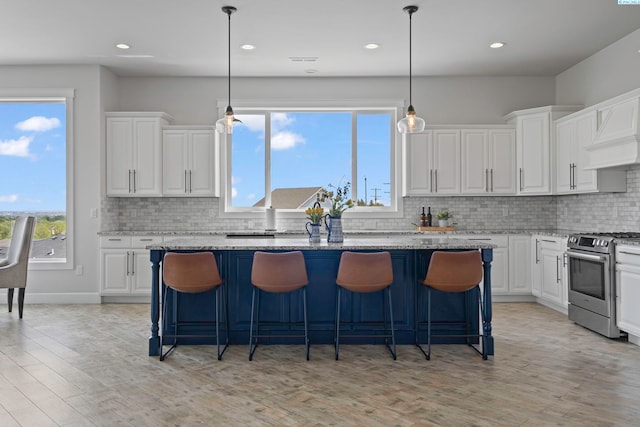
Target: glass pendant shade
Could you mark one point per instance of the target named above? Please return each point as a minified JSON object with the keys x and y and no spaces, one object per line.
{"x":411,"y":123}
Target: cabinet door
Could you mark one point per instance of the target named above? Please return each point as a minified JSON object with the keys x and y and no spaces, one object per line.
{"x":551,"y":276}
{"x":119,"y":156}
{"x":446,"y":161}
{"x":502,"y":161}
{"x":585,"y":180}
{"x":628,"y":281}
{"x":500,"y":263}
{"x":202,"y":164}
{"x":140,"y":272}
{"x":115,"y":270}
{"x":174,"y":162}
{"x":475,"y":162}
{"x":147,"y":157}
{"x":520,"y":264}
{"x":418,"y":167}
{"x":533,"y":157}
{"x":565,"y":156}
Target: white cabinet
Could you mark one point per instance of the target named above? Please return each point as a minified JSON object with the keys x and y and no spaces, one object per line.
{"x":189,"y":161}
{"x":519,"y":265}
{"x":134,"y":153}
{"x":573,"y":135}
{"x":432,"y":162}
{"x":500,"y":263}
{"x":125,"y":268}
{"x":533,"y":146}
{"x":549,"y":275}
{"x":628,"y":290}
{"x":488,"y":161}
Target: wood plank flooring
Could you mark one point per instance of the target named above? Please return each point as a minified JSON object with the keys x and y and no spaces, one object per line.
{"x":86,"y":365}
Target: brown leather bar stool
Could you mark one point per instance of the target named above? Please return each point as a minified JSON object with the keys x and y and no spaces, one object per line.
{"x":281,"y":272}
{"x":361,"y":272}
{"x":192,"y":273}
{"x":451,"y":272}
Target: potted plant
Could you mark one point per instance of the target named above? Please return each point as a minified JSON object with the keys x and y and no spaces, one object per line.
{"x":443,"y":217}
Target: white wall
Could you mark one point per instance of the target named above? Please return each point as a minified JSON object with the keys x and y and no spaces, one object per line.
{"x":439,"y":100}
{"x":610,"y":72}
{"x":64,"y":285}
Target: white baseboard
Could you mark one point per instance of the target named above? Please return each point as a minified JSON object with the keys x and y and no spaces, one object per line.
{"x":513,"y":298}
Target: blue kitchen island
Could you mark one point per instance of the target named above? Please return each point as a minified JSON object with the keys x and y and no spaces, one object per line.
{"x":410,"y":256}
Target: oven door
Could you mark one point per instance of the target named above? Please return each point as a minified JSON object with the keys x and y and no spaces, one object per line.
{"x":590,"y":281}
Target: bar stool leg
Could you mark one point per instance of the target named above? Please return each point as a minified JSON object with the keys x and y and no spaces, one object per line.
{"x":251,"y":346}
{"x":428,"y":355}
{"x":337,"y":343}
{"x":393,"y":335}
{"x":306,"y":328}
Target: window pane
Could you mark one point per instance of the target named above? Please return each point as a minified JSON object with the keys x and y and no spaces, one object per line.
{"x":309,"y":151}
{"x":247,"y":161}
{"x":374,"y":159}
{"x":33,"y":153}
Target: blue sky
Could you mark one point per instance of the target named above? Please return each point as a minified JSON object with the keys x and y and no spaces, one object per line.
{"x":33,"y":157}
{"x":310,"y":149}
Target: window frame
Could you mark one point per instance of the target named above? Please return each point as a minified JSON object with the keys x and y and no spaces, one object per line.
{"x":66,"y":95}
{"x":395,"y":210}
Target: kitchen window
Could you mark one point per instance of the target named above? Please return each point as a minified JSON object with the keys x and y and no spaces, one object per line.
{"x":286,"y":157}
{"x":35,"y":160}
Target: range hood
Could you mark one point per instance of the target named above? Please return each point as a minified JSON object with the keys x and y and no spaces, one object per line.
{"x":617,"y":140}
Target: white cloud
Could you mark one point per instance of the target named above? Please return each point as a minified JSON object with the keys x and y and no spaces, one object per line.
{"x":11,"y":198}
{"x":16,"y":147}
{"x":38,"y":124}
{"x":234,"y":192}
{"x":251,"y":196}
{"x":254,"y":123}
{"x":285,"y":140}
{"x":279,"y":121}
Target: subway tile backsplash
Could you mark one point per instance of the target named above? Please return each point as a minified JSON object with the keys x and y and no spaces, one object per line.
{"x":586,"y":212}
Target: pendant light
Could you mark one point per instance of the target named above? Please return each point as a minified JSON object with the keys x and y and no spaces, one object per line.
{"x":411,"y":123}
{"x":225,"y":124}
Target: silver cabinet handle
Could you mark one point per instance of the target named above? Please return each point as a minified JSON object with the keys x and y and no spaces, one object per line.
{"x":133,"y":263}
{"x":129,"y":180}
{"x":185,"y":181}
{"x":537,"y":256}
{"x":436,"y":175}
{"x":628,"y":253}
{"x":548,"y":241}
{"x":486,"y":180}
{"x":521,"y":180}
{"x":491,"y":174}
{"x":127,"y":263}
{"x":558,"y":277}
{"x":114,"y":239}
{"x":190,"y":181}
{"x":134,"y":181}
{"x":431,"y":180}
{"x":146,"y":240}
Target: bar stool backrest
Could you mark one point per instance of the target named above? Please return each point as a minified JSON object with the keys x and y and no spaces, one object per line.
{"x":191,"y":272}
{"x":279,"y":272}
{"x":454,"y":271}
{"x":365,"y":272}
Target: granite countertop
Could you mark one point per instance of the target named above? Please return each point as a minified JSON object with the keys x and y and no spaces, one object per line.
{"x":293,"y":233}
{"x":389,"y":242}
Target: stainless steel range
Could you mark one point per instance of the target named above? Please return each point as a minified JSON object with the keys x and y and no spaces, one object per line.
{"x":592,"y":288}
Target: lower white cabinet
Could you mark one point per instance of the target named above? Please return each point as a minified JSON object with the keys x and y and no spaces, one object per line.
{"x":628,"y":290}
{"x":125,"y":268}
{"x":549,"y":272}
{"x":519,"y":265}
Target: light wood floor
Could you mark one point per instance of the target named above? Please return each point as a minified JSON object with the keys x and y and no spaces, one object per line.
{"x":82,"y":365}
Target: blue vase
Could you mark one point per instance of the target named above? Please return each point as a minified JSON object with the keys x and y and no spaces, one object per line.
{"x":334,"y":229}
{"x":313,"y":230}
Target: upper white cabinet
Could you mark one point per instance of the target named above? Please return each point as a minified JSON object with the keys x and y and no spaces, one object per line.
{"x":189,"y":161}
{"x":432,"y":162}
{"x":574,"y":134}
{"x":533,"y":146}
{"x":488,"y":161}
{"x":134,"y":153}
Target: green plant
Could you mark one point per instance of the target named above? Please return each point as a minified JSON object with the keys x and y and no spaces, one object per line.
{"x":444,"y":214}
{"x":340,"y":200}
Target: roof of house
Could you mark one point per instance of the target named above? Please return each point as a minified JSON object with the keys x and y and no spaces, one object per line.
{"x":291,"y":198}
{"x":53,"y":247}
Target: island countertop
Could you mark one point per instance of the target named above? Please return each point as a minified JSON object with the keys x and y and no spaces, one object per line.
{"x":390,"y":242}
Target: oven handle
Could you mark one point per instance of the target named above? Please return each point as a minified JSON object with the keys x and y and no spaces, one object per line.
{"x":588,"y":257}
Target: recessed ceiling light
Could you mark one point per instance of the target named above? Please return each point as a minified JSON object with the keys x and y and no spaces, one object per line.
{"x":123,"y":46}
{"x":496,"y":45}
{"x":248,"y":46}
{"x":371,"y":46}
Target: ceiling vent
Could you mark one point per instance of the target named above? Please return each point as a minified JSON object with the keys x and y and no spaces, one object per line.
{"x":305,"y":59}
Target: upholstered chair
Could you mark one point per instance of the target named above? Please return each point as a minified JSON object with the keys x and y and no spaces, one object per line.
{"x":13,"y":268}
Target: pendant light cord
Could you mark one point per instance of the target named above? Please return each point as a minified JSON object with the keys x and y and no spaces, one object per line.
{"x":229,"y":56}
{"x":410,"y":55}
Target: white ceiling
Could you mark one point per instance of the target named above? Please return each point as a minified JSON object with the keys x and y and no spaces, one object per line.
{"x":189,"y":37}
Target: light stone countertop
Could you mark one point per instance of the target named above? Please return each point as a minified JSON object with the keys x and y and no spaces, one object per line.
{"x":389,"y":242}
